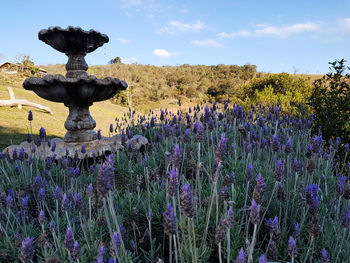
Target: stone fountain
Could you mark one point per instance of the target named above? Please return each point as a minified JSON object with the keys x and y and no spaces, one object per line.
{"x":78,"y":91}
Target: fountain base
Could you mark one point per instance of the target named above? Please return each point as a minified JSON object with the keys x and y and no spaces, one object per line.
{"x":93,"y":149}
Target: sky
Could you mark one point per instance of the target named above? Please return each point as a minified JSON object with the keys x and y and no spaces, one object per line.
{"x":275,"y":35}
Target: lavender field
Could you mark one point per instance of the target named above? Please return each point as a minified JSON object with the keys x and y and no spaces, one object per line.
{"x":216,"y":183}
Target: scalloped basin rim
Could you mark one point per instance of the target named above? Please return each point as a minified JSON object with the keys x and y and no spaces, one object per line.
{"x":58,"y":78}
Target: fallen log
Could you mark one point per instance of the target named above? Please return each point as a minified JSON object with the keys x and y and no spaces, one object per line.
{"x":21,"y":102}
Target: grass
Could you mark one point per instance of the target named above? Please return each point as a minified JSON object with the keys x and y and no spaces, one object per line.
{"x":13,"y":125}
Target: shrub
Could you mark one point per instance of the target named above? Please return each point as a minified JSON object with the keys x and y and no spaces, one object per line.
{"x":330,"y":101}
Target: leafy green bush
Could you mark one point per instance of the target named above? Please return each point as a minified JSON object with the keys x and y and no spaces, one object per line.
{"x":330,"y":101}
{"x":287,"y":90}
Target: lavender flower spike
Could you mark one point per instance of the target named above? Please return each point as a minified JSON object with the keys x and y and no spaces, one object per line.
{"x":173,"y":183}
{"x":76,"y":250}
{"x":249,"y":172}
{"x":263,"y":259}
{"x":346,"y":220}
{"x":254,"y":213}
{"x":221,"y":149}
{"x":169,"y":221}
{"x":292,"y":248}
{"x":27,"y":250}
{"x":324,"y":256}
{"x":69,"y":240}
{"x":187,"y":201}
{"x":242,"y":257}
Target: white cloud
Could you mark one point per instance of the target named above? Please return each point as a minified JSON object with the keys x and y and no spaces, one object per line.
{"x":123,"y":40}
{"x":131,"y":3}
{"x":345,"y":24}
{"x":242,"y":33}
{"x":206,"y":43}
{"x":278,"y":31}
{"x":132,"y":60}
{"x":285,"y":31}
{"x":163,"y":53}
{"x":177,"y":26}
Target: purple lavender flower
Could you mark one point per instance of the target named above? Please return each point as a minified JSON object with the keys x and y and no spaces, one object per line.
{"x":296,"y":231}
{"x":242,"y":257}
{"x":89,"y":191}
{"x":187,"y":135}
{"x":41,"y":194}
{"x":57,"y":193}
{"x":279,"y":171}
{"x":41,"y":217}
{"x":340,"y":187}
{"x":259,"y":189}
{"x":317,"y":144}
{"x":24,"y":203}
{"x":83,"y":150}
{"x":187,"y":201}
{"x":263,"y":259}
{"x":177,"y":156}
{"x":221,"y":149}
{"x":167,"y":130}
{"x":149,"y":214}
{"x":225,"y":195}
{"x":199,"y":132}
{"x":42,"y":133}
{"x":101,"y":254}
{"x":69,"y":240}
{"x":52,"y":226}
{"x":309,"y":152}
{"x":169,"y":221}
{"x":310,"y":192}
{"x":254,"y":217}
{"x":78,"y":203}
{"x":30,"y":115}
{"x":29,"y":138}
{"x":173,"y":183}
{"x":91,"y":169}
{"x":346,"y":220}
{"x":27,"y":250}
{"x":111,"y":128}
{"x":105,"y":176}
{"x":115,"y":244}
{"x":76,"y":250}
{"x":249,"y":172}
{"x":288,"y":147}
{"x":273,"y":225}
{"x":275,"y":143}
{"x":229,"y":219}
{"x":65,"y":203}
{"x":220,"y":232}
{"x":292,"y":248}
{"x":324,"y":256}
{"x":9,"y":201}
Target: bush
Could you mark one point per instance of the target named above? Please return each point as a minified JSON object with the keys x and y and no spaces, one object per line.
{"x":287,"y":90}
{"x":330,"y":101}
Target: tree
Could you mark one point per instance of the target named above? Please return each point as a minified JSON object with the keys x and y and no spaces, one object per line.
{"x":330,"y":101}
{"x":115,"y":60}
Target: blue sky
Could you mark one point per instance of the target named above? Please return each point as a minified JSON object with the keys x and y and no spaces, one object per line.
{"x":275,"y":35}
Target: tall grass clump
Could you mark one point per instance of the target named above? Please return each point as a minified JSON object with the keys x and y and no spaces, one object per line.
{"x":216,"y":183}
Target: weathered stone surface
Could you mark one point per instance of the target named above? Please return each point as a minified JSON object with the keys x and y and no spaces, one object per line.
{"x":92,"y":148}
{"x":137,"y":141}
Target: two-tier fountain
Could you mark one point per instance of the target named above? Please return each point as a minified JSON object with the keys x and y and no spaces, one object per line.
{"x":78,"y":91}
